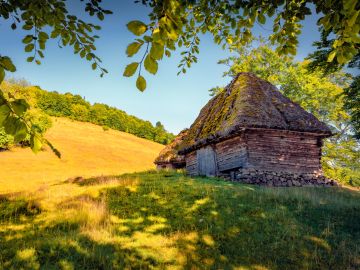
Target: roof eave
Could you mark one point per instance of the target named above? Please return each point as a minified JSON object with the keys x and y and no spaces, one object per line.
{"x":218,"y":139}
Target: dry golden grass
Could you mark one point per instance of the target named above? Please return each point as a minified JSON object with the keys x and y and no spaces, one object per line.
{"x":87,"y":150}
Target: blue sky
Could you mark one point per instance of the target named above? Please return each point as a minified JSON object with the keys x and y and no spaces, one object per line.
{"x":173,"y":100}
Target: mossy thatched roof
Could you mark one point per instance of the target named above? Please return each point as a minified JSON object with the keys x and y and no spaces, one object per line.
{"x":170,"y":153}
{"x":248,"y":102}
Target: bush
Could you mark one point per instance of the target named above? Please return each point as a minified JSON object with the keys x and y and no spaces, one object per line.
{"x":6,"y":141}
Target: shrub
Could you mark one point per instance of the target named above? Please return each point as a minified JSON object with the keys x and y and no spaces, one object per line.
{"x":6,"y":141}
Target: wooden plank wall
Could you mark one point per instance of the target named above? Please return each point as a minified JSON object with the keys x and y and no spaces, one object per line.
{"x":231,"y":154}
{"x":281,"y":151}
{"x":266,"y":150}
{"x":191,"y":163}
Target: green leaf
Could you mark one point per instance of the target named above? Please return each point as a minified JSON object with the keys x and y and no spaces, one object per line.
{"x":141,"y":83}
{"x":261,"y":18}
{"x":89,"y":57}
{"x":35,"y":143}
{"x":137,"y":27}
{"x":19,"y":106}
{"x":20,"y":131}
{"x":133,"y":48}
{"x":82,"y":53}
{"x":6,"y":63}
{"x":157,"y":51}
{"x":94,"y":66}
{"x":100,"y":16}
{"x":42,"y":44}
{"x":10,"y":125}
{"x":29,"y":47}
{"x":43,"y":36}
{"x":27,"y":39}
{"x":130,"y":69}
{"x":341,"y":58}
{"x":150,"y":64}
{"x":171,"y":31}
{"x":331,"y":56}
{"x":41,"y":54}
{"x":27,"y":26}
{"x":349,"y":4}
{"x":2,"y":74}
{"x":4,"y":113}
{"x":55,"y":33}
{"x":352,"y":21}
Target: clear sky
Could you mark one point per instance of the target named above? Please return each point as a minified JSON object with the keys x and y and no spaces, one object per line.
{"x":173,"y":100}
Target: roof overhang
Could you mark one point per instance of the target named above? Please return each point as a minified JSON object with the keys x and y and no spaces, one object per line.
{"x":216,"y":138}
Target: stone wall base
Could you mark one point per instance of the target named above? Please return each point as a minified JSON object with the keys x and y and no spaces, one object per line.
{"x":278,"y":179}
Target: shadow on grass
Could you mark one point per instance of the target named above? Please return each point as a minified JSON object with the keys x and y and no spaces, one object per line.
{"x":166,"y":220}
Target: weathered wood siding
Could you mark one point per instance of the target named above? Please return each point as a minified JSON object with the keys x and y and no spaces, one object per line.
{"x":283,"y":151}
{"x":206,"y":161}
{"x":191,"y":163}
{"x":267,"y":150}
{"x":231,"y":154}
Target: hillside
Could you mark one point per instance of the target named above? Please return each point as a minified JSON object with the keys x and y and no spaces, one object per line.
{"x":75,"y":107}
{"x":165,"y":220}
{"x":87,"y":150}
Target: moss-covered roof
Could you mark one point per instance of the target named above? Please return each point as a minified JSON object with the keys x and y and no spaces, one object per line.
{"x":170,"y":153}
{"x":248,"y":102}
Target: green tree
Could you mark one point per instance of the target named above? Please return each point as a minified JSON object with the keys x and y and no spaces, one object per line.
{"x":321,"y":95}
{"x":352,"y":104}
{"x":79,"y":112}
{"x":352,"y":93}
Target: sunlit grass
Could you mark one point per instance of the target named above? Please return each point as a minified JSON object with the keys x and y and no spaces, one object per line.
{"x":165,"y":220}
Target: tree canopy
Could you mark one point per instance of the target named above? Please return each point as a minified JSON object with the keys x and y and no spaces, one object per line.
{"x":179,"y":24}
{"x":171,"y":25}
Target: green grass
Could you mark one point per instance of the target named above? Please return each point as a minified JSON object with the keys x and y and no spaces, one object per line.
{"x":166,"y":220}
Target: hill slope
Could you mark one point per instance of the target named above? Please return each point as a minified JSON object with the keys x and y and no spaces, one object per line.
{"x":87,"y":150}
{"x":165,"y":220}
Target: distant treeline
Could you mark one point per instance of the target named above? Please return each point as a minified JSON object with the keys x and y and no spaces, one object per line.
{"x":77,"y":108}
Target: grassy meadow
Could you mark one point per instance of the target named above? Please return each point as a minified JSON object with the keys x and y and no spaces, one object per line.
{"x":87,"y":150}
{"x":166,"y":220}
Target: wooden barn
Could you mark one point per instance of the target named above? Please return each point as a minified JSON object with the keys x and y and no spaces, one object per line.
{"x":169,"y":157}
{"x":250,"y":132}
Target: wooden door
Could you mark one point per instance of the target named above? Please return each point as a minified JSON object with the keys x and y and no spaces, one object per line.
{"x":206,"y":161}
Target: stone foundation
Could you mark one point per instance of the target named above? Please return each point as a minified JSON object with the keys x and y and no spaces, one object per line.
{"x":278,"y":179}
